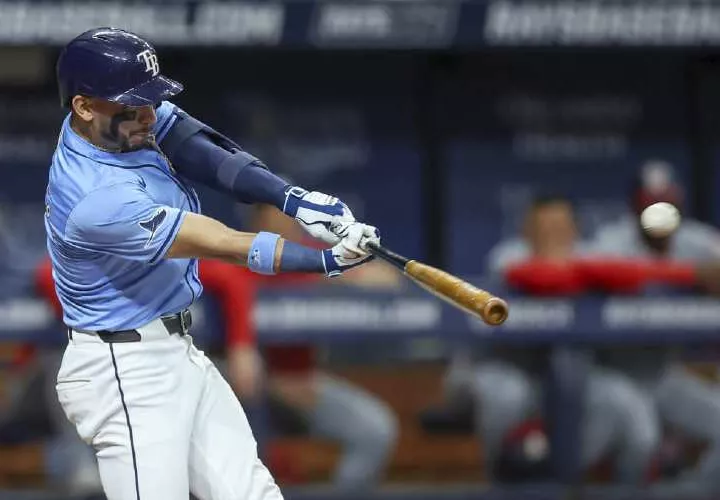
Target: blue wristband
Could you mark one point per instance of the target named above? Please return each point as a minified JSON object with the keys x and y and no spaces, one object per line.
{"x":261,"y":258}
{"x":301,"y":259}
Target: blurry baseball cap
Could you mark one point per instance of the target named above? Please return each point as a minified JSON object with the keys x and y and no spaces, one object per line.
{"x":655,"y":182}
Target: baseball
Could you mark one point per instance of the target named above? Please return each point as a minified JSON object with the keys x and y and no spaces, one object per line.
{"x":660,"y":219}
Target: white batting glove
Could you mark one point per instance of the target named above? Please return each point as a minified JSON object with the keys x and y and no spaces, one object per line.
{"x":324,"y":217}
{"x":352,"y":249}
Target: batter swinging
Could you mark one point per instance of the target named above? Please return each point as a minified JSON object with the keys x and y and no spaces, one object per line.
{"x":124,"y":233}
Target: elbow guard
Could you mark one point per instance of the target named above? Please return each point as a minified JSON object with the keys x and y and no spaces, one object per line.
{"x":201,"y":154}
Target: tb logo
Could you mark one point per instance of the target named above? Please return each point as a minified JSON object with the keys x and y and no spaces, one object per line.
{"x":150,"y":59}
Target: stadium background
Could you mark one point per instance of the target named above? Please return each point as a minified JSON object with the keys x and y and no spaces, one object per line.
{"x":436,"y":121}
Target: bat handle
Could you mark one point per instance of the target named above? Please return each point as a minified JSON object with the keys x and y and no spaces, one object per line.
{"x":372,"y":246}
{"x":393,"y":258}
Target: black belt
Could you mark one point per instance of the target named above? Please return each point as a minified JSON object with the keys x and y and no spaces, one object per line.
{"x":179,"y":324}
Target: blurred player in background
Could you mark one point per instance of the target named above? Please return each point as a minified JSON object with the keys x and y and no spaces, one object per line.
{"x":693,"y":240}
{"x":318,"y":404}
{"x":506,"y":384}
{"x":671,"y":393}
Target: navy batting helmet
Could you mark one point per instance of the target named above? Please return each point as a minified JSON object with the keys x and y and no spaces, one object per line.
{"x":114,"y":65}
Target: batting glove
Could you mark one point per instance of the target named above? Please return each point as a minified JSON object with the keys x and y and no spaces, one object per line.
{"x":352,"y":249}
{"x":323,"y":216}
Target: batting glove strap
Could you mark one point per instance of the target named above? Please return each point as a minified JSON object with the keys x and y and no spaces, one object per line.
{"x":321,"y":215}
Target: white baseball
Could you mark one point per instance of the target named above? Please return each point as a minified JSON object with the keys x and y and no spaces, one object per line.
{"x":660,"y":219}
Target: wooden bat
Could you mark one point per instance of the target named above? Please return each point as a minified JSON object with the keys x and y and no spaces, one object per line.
{"x":461,"y":294}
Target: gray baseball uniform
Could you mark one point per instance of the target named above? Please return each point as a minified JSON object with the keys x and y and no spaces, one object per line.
{"x":671,"y":393}
{"x":506,"y":388}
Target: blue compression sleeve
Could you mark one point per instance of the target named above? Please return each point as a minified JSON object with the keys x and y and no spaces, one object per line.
{"x":301,"y":259}
{"x":235,"y":172}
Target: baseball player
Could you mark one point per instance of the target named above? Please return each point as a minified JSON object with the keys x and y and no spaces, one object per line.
{"x":672,"y":394}
{"x":124,"y":233}
{"x":506,"y":384}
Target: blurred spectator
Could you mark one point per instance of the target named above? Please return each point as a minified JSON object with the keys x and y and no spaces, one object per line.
{"x":693,"y":240}
{"x":312,"y":401}
{"x":549,"y":233}
{"x":506,"y":384}
{"x":680,"y":399}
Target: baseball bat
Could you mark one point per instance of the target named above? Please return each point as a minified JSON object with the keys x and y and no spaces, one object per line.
{"x":459,"y":293}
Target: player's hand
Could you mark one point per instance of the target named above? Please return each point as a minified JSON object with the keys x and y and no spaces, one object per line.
{"x":323,"y":216}
{"x":352,"y":249}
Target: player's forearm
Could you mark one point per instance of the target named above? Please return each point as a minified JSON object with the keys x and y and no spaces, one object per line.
{"x":206,"y":238}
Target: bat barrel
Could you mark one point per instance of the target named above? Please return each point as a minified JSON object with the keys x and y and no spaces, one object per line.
{"x":492,"y":310}
{"x":495,"y":311}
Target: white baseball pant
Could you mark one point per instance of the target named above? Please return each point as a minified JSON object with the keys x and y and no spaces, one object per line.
{"x":162,"y":420}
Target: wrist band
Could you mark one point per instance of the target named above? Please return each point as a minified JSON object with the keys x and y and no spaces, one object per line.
{"x":261,"y":258}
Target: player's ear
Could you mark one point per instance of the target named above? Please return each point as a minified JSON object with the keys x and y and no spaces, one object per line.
{"x":81,"y":105}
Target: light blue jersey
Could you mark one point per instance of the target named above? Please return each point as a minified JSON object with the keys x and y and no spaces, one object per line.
{"x":110,"y":220}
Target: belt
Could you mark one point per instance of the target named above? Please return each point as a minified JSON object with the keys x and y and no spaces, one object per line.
{"x":179,"y":324}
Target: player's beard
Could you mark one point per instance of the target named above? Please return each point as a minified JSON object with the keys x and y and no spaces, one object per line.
{"x":146,"y":143}
{"x":117,"y":142}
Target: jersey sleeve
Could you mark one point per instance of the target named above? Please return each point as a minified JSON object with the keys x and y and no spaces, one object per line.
{"x":165,"y":118}
{"x":124,"y":221}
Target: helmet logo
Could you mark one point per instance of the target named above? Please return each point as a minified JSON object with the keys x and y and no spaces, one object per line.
{"x":150,"y":59}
